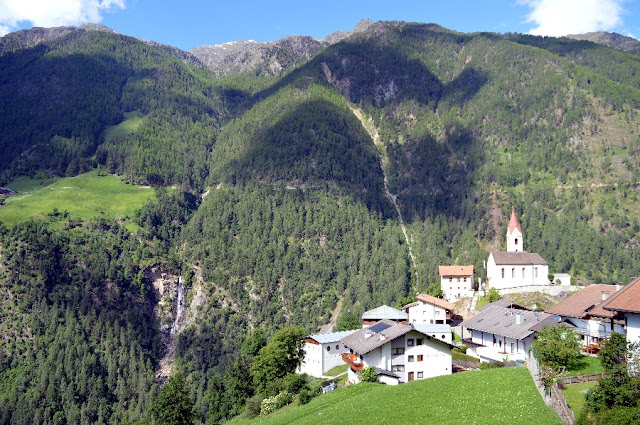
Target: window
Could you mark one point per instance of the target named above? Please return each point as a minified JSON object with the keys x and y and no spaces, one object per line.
{"x":410,"y":358}
{"x":516,"y":241}
{"x":523,"y":272}
{"x":397,"y":368}
{"x":450,"y":279}
{"x":337,"y":347}
{"x":419,"y":341}
{"x":443,"y":337}
{"x":420,"y":357}
{"x":420,"y":375}
{"x":503,"y":272}
{"x":494,"y":340}
{"x":437,"y":312}
{"x":328,"y":348}
{"x":535,"y":271}
{"x":513,"y":272}
{"x":397,"y":351}
{"x":464,"y":280}
{"x":410,"y":342}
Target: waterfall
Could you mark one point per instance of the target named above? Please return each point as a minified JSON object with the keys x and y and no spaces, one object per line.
{"x":179,"y":307}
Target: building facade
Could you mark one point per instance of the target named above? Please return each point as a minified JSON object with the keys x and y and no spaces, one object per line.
{"x":399,"y":352}
{"x":323,"y":352}
{"x":457,"y":282}
{"x":429,"y":310}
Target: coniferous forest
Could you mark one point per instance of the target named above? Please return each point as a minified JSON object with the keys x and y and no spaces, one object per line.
{"x":273,"y":201}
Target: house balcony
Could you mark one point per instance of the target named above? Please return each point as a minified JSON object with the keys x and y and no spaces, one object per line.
{"x":353,"y":360}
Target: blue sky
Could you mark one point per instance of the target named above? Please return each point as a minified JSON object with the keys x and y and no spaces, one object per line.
{"x":190,"y":23}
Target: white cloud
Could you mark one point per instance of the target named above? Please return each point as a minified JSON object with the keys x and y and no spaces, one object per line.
{"x":562,"y":17}
{"x":51,"y":13}
{"x":4,"y":30}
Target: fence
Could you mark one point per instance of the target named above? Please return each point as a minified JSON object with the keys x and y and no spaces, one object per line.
{"x":581,"y":378}
{"x":552,"y":397}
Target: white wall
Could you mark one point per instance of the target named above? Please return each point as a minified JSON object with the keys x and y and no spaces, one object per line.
{"x":318,"y":360}
{"x":502,"y":347}
{"x":533,"y":275}
{"x":424,"y":313}
{"x":633,"y":327}
{"x":454,"y":290}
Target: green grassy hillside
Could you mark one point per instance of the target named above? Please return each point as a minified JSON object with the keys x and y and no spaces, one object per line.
{"x":82,"y":197}
{"x":486,"y":397}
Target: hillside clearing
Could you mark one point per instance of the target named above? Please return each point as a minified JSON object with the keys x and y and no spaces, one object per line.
{"x":85,"y":196}
{"x":129,"y":125}
{"x":505,"y":395}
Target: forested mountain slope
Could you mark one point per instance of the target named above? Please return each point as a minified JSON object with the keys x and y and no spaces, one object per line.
{"x":281,"y":207}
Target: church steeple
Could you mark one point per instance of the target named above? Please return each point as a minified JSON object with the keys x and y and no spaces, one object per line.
{"x":515,"y":241}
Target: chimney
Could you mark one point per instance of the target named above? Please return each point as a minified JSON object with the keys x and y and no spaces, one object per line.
{"x":382,"y":337}
{"x":367,"y":333}
{"x":605,"y":295}
{"x":519,"y":319}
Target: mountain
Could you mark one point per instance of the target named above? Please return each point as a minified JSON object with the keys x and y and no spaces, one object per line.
{"x":610,"y":39}
{"x":25,"y":39}
{"x":297,"y":183}
{"x":270,"y":59}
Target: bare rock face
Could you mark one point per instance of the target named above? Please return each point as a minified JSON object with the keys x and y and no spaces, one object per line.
{"x":610,"y":39}
{"x":25,"y":39}
{"x":271,"y":58}
{"x":165,"y":287}
{"x":337,"y":36}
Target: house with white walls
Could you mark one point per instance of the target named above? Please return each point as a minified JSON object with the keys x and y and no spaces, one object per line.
{"x":497,"y":333}
{"x":323,"y":352}
{"x":625,"y":305}
{"x":429,"y":310}
{"x":577,"y":309}
{"x":457,"y":282}
{"x":399,"y":353}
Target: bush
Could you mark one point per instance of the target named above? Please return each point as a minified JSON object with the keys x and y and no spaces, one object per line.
{"x":294,"y":382}
{"x":493,"y":295}
{"x":369,"y":374}
{"x":271,"y":404}
{"x":253,"y":407}
{"x":491,"y":365}
{"x":305,"y":395}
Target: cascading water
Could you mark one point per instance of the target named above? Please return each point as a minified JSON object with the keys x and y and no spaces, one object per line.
{"x":179,"y":308}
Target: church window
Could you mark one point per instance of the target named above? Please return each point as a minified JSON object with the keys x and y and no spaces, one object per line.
{"x":516,"y":241}
{"x":513,"y":273}
{"x":523,"y":272}
{"x":503,"y":272}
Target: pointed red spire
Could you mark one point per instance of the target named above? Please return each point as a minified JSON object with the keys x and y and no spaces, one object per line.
{"x":513,"y":223}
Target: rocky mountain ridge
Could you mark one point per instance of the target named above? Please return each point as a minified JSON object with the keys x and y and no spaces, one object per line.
{"x":610,"y":39}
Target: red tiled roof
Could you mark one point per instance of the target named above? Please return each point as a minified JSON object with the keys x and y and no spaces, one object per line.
{"x":513,"y":222}
{"x":625,"y":300}
{"x":435,"y":301}
{"x":455,"y":270}
{"x":580,"y":304}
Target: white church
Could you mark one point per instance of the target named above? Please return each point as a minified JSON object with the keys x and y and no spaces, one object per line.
{"x":516,"y":267}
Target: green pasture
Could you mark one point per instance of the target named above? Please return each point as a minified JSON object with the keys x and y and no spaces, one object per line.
{"x":132,"y":121}
{"x":495,"y":396}
{"x":85,"y":196}
{"x":586,"y":365}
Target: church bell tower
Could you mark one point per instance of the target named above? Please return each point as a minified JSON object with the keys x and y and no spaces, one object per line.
{"x":515,"y":241}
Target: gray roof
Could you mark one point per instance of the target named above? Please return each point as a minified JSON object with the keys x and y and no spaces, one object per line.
{"x":518,"y":258}
{"x":330,"y":337}
{"x":386,"y":372}
{"x":385,"y":312}
{"x":368,"y":339}
{"x":502,"y":321}
{"x":431,"y":329}
{"x":503,"y":302}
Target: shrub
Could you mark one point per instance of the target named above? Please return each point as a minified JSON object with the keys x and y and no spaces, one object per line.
{"x":253,"y":407}
{"x":491,"y":365}
{"x":305,"y":395}
{"x":294,"y":382}
{"x":493,"y":295}
{"x":369,"y":374}
{"x":271,"y":404}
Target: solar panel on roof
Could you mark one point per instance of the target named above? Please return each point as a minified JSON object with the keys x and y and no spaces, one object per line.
{"x":379,"y":327}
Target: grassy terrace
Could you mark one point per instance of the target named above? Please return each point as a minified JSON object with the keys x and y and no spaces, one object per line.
{"x":496,"y":396}
{"x":85,"y":196}
{"x":574,"y":395}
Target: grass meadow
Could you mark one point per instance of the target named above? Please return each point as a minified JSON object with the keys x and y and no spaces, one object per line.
{"x":86,"y":196}
{"x":495,"y":396}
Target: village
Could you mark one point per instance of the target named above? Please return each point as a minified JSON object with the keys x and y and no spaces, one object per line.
{"x":416,"y":341}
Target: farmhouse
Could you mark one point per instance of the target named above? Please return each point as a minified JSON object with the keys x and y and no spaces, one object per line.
{"x":429,"y":310}
{"x":399,"y":352}
{"x":457,"y":282}
{"x":516,"y":267}
{"x":625,"y":305}
{"x":497,"y":332}
{"x":577,"y":311}
{"x":323,"y":352}
{"x":372,"y":317}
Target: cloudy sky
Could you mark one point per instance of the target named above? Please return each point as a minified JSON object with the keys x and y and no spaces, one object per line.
{"x":190,"y":23}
